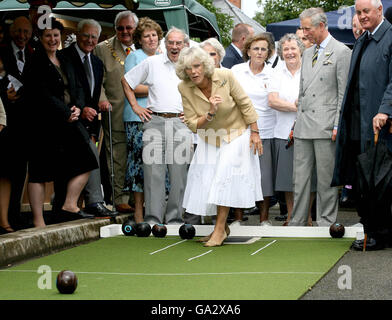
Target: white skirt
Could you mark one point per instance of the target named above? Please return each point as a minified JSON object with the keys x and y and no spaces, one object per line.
{"x":228,"y":176}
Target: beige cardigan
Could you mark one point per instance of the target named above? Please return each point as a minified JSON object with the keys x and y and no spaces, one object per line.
{"x":3,"y":118}
{"x":234,"y":115}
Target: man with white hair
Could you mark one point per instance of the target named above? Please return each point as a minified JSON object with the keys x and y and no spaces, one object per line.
{"x":113,"y":52}
{"x":367,"y":110}
{"x":89,"y":70}
{"x":167,"y":141}
{"x":323,"y":80}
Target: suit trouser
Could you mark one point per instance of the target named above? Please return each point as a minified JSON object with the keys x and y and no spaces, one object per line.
{"x":307,"y":154}
{"x":167,"y":143}
{"x":120,"y":155}
{"x":92,"y":191}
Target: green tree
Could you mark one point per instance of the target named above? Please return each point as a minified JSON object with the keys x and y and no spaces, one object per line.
{"x":280,"y":10}
{"x":225,"y":21}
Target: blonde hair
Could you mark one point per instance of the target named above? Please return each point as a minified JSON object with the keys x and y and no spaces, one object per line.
{"x":189,"y":56}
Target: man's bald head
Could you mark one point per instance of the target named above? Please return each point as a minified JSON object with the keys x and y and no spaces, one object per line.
{"x":240,"y":33}
{"x":21,"y":31}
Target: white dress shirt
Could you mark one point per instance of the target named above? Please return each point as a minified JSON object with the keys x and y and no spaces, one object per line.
{"x":256,"y":87}
{"x":159,"y":74}
{"x":20,"y":64}
{"x":323,"y":44}
{"x":82,"y":55}
{"x":239,"y":51}
{"x":287,"y":86}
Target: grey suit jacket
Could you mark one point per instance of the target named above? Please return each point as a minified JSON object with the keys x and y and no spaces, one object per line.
{"x":321,"y":91}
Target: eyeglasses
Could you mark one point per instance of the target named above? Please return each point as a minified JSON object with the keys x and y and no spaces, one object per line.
{"x":172,"y":43}
{"x":88,"y":36}
{"x":257,"y":49}
{"x":121,"y":28}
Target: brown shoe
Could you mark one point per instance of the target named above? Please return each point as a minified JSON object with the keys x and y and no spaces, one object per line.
{"x":124,"y":208}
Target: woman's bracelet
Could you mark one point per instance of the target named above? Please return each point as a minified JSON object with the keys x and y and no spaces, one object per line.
{"x":254,"y":131}
{"x":211,"y":115}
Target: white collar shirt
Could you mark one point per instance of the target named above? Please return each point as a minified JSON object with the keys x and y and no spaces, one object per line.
{"x":256,"y":87}
{"x":237,"y":49}
{"x":376,"y":28}
{"x":279,"y":62}
{"x":15,"y":49}
{"x":323,"y":44}
{"x":133,"y":48}
{"x":82,"y":55}
{"x":159,"y":74}
{"x":287,"y":86}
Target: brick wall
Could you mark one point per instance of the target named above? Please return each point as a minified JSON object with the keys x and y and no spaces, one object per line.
{"x":237,"y":3}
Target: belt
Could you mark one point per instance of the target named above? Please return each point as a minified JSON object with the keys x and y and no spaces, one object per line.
{"x":166,"y":114}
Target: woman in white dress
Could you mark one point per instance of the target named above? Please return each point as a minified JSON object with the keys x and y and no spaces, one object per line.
{"x":224,"y":171}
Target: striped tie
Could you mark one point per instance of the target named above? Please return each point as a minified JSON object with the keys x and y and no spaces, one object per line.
{"x":315,"y":55}
{"x":128,"y":51}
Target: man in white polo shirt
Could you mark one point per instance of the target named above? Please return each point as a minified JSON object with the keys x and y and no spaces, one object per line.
{"x":167,"y":142}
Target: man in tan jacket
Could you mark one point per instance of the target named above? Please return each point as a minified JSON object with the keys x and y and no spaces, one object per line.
{"x":113,"y":53}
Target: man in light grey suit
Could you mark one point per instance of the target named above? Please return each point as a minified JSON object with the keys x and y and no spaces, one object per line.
{"x":323,"y":81}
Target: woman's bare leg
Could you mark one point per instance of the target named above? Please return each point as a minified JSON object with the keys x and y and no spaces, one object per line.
{"x":36,"y":192}
{"x":74,"y":189}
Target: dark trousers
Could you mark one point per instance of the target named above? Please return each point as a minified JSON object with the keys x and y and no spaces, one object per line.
{"x":376,"y":215}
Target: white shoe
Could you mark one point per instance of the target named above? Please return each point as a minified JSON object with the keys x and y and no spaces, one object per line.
{"x":266,"y":223}
{"x":235,"y":223}
{"x":357,"y":225}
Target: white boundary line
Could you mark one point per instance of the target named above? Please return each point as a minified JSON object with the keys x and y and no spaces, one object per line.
{"x":250,"y":231}
{"x":172,"y":245}
{"x":272,"y":242}
{"x":177,"y":274}
{"x":200,"y":255}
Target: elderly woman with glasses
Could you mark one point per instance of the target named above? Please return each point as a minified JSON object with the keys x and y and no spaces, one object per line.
{"x":254,"y":76}
{"x":224,"y":171}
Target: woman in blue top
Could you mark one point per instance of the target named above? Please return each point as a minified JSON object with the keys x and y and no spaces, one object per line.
{"x":146,"y":38}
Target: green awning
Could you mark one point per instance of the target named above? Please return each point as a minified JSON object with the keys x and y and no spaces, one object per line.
{"x":185,"y":14}
{"x":24,"y":5}
{"x":188,"y":15}
{"x":101,"y":3}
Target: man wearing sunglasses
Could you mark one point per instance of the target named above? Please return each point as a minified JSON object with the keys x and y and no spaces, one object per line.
{"x":113,"y":52}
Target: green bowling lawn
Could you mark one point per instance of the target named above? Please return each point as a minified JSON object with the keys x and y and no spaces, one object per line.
{"x":174,"y":269}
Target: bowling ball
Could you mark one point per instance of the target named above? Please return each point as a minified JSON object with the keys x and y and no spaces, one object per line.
{"x":336,"y":230}
{"x":129,"y":228}
{"x":187,"y":231}
{"x":159,"y":230}
{"x":66,"y":282}
{"x":143,"y":229}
